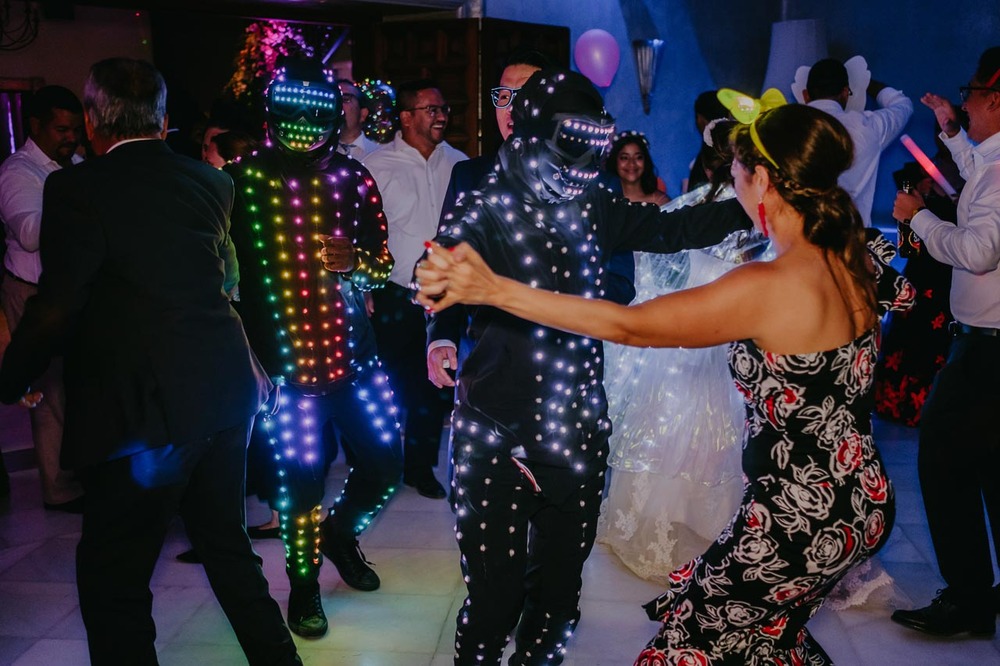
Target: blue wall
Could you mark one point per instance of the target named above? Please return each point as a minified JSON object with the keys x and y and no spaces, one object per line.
{"x":917,"y":46}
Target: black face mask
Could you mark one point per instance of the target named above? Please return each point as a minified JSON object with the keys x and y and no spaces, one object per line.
{"x":561,"y":135}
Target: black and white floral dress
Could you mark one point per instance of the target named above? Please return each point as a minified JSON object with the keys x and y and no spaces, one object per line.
{"x":816,"y":502}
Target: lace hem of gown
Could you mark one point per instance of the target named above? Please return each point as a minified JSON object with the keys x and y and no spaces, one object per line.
{"x":654,"y":524}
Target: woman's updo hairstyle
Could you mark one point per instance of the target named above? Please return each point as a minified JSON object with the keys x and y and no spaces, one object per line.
{"x":805,"y":150}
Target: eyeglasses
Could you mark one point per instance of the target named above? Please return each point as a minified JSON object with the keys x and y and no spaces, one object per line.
{"x":503,"y":96}
{"x":965,"y":91}
{"x":432,"y":109}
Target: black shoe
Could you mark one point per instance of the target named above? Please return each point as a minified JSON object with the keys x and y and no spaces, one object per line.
{"x":305,"y":612}
{"x":946,"y":617}
{"x":426,"y":485}
{"x":346,"y":555}
{"x":4,"y":480}
{"x":72,"y":506}
{"x":189,"y":556}
{"x":257,"y":532}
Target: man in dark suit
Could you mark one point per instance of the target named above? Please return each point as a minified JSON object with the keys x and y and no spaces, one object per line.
{"x":445,"y":329}
{"x":161,"y":386}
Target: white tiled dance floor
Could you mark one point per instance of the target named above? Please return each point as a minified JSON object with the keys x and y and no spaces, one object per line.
{"x":410,"y":620}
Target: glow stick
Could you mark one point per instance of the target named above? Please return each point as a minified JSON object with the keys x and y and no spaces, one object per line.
{"x":928,"y":165}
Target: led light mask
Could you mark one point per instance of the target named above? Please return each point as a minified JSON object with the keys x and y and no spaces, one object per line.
{"x":564,"y":133}
{"x":304,"y":107}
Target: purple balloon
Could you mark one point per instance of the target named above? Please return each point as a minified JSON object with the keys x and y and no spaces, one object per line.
{"x":596,"y":55}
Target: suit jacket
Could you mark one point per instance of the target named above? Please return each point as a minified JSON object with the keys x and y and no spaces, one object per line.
{"x":132,"y":247}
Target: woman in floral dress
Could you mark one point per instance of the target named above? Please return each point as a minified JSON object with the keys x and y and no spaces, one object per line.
{"x":817,"y":500}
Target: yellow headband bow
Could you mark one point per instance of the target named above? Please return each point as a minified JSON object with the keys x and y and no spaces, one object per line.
{"x":746,"y":109}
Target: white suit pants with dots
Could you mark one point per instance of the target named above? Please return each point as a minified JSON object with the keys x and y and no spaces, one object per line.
{"x":524,"y":531}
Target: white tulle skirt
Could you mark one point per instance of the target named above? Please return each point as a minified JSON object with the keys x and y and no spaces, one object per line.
{"x":678,"y":427}
{"x":676,"y":477}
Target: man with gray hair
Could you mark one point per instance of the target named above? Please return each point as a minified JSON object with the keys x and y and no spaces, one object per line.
{"x":161,"y":386}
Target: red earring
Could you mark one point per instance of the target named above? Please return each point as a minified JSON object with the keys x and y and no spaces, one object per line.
{"x":762,"y":216}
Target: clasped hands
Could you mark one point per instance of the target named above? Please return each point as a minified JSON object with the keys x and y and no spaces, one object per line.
{"x":337,"y":254}
{"x":30,"y":399}
{"x":446,"y":276}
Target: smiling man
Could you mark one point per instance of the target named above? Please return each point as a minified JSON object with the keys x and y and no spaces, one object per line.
{"x":352,"y":140}
{"x":55,"y":118}
{"x":412,"y":173}
{"x":958,"y":460}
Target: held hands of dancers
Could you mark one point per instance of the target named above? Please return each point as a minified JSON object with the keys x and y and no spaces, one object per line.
{"x":446,"y":276}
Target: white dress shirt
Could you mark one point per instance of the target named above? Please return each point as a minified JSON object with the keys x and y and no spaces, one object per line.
{"x":359,"y":148}
{"x":22,"y":179}
{"x":413,"y":191}
{"x":972,"y":245}
{"x":871,"y":132}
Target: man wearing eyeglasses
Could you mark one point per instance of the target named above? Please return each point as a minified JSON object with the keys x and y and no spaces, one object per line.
{"x":959,"y":455}
{"x":827,"y":89}
{"x":352,"y":141}
{"x":444,"y":330}
{"x":412,"y":173}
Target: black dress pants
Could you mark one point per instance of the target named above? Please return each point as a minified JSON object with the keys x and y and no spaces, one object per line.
{"x":524,"y":531}
{"x":959,"y":465}
{"x":401,"y":331}
{"x":129,"y":504}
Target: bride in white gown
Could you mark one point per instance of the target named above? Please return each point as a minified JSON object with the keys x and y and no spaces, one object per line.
{"x":678,"y":423}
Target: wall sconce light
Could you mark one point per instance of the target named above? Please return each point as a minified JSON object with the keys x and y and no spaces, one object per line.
{"x":647,"y":53}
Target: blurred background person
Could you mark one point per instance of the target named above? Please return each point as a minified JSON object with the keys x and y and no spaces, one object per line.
{"x":707,"y":108}
{"x":827,"y":89}
{"x":352,"y":140}
{"x":55,"y":120}
{"x":630,"y":161}
{"x":915,"y":343}
{"x":678,"y":419}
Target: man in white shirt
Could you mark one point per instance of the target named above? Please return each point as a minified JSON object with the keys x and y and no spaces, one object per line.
{"x":352,"y":141}
{"x":827,"y":90}
{"x":412,"y":173}
{"x":959,"y":455}
{"x":55,"y":118}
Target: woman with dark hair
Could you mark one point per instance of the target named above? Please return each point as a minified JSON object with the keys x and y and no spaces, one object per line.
{"x":804,"y":331}
{"x":631,"y":162}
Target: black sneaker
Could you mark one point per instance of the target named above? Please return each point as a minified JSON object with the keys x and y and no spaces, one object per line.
{"x":72,"y":506}
{"x":426,"y":485}
{"x":351,"y":563}
{"x":4,"y":480}
{"x":946,"y":616}
{"x":305,"y":612}
{"x":190,"y":556}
